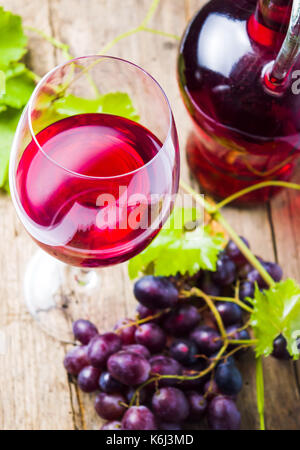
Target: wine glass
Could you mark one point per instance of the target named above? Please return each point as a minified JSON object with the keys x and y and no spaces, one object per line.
{"x":93,"y":173}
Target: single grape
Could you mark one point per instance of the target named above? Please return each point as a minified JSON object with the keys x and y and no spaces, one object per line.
{"x":170,"y":404}
{"x":137,"y":348}
{"x":139,"y":418}
{"x":108,"y":384}
{"x":223,"y":414}
{"x":246,"y":289}
{"x":109,"y":406}
{"x":280,"y":348}
{"x":226,"y":271}
{"x":84,"y":330}
{"x":170,"y":426}
{"x":76,"y":359}
{"x":211,"y":390}
{"x":142,"y":394}
{"x":101,"y":347}
{"x":198,"y":405}
{"x":156,"y":292}
{"x":274,"y":270}
{"x":112,"y":425}
{"x":151,"y":336}
{"x":181,"y":321}
{"x":129,"y":368}
{"x":228,"y":378}
{"x":230,"y":313}
{"x":207,"y":285}
{"x":234,"y":252}
{"x":184,"y":351}
{"x":125,"y":332}
{"x":88,"y":379}
{"x":207,"y":340}
{"x":164,"y":365}
{"x":144,"y":312}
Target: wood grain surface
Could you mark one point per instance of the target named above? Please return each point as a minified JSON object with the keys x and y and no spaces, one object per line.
{"x":35,"y":392}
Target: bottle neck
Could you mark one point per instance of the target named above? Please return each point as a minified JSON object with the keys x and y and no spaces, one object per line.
{"x":269,"y":24}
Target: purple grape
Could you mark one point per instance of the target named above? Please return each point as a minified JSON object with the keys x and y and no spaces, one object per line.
{"x":244,"y":270}
{"x":234,"y":334}
{"x":109,"y":407}
{"x":280,"y":348}
{"x":234,"y":252}
{"x":144,"y":312}
{"x":209,"y":287}
{"x":226,"y":271}
{"x":151,"y":336}
{"x":223,"y":414}
{"x":84,"y":331}
{"x":138,"y":418}
{"x":255,"y":277}
{"x":101,"y":347}
{"x":137,"y":348}
{"x":126,"y":334}
{"x":170,"y":426}
{"x":130,"y":391}
{"x":192,"y":384}
{"x":207,"y":340}
{"x":112,"y":425}
{"x":170,"y":405}
{"x":181,"y":321}
{"x":88,"y":379}
{"x":230,"y":313}
{"x":184,"y":351}
{"x":228,"y":378}
{"x":198,"y":405}
{"x":128,"y":368}
{"x":76,"y":359}
{"x":156,"y":292}
{"x":246,"y":290}
{"x":108,"y":384}
{"x":164,"y":365}
{"x":274,"y":270}
{"x":211,"y":390}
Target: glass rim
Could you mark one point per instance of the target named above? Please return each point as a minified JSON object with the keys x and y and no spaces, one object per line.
{"x":108,"y":57}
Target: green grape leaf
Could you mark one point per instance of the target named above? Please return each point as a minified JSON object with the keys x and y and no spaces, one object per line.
{"x":13,"y":40}
{"x":18,"y":87}
{"x":177,"y":250}
{"x":8,"y":123}
{"x":117,"y":103}
{"x":276,"y":311}
{"x":2,"y":82}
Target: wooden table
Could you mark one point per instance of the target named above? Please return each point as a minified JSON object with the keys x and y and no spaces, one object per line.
{"x":34,"y":389}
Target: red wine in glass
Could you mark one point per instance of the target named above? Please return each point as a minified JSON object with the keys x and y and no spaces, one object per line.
{"x":91,"y":186}
{"x":246,"y":130}
{"x":79,"y":229}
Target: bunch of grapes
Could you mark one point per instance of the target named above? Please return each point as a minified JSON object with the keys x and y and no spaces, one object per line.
{"x":165,"y":369}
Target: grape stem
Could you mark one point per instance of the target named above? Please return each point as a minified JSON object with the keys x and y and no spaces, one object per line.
{"x":218,"y":217}
{"x":249,"y":189}
{"x":142,"y":27}
{"x":211,"y":305}
{"x":233,"y":300}
{"x":53,"y":41}
{"x":180,"y":377}
{"x":260,"y":391}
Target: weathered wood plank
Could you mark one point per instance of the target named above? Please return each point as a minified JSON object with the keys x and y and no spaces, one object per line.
{"x":33,"y":393}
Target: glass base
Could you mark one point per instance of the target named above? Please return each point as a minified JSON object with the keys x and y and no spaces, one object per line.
{"x":57,"y":294}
